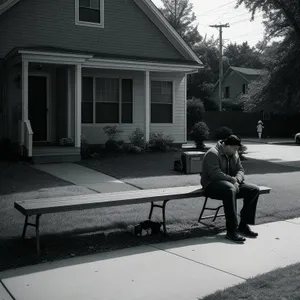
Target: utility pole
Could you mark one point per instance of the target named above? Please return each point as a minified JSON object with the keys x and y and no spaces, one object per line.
{"x":220,"y":27}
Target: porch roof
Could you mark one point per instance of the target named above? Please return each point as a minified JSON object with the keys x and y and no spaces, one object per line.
{"x":102,"y":60}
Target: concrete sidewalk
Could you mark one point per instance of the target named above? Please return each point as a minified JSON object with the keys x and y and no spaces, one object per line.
{"x":86,"y":177}
{"x":185,"y":270}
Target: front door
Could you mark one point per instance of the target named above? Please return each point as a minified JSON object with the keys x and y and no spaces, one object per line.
{"x":37,"y":106}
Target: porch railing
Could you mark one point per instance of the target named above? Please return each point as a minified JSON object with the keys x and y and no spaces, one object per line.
{"x":28,"y":135}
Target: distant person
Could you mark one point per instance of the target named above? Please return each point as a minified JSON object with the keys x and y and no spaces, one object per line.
{"x":223,"y":178}
{"x":259,"y":128}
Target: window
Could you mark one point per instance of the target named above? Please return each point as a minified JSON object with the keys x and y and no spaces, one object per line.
{"x":107,"y":100}
{"x":161,"y":101}
{"x":90,"y":12}
{"x":227,"y":92}
{"x":244,"y":88}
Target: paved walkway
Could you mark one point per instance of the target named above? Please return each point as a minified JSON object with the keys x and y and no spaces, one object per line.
{"x":185,"y":270}
{"x":86,"y":177}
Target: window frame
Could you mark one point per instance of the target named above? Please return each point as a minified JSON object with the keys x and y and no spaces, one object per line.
{"x":227,"y":94}
{"x":90,"y":24}
{"x":94,"y":123}
{"x":173,"y":99}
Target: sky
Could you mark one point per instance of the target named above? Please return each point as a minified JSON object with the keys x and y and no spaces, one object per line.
{"x":212,"y":12}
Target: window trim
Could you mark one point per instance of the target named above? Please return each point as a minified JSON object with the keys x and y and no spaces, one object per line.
{"x":173,"y":99}
{"x":120,"y":78}
{"x":89,"y":24}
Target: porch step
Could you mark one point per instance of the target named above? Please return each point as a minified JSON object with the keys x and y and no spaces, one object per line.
{"x":44,"y":155}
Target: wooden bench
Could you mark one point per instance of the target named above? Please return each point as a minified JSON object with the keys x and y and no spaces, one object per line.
{"x":38,"y":207}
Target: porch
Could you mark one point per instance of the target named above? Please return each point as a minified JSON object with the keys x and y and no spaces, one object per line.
{"x":56,"y":109}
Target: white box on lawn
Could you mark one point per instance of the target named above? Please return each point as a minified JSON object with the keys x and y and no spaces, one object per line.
{"x":192,"y":161}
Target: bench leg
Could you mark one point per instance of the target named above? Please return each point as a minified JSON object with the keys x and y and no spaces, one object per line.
{"x":25,"y":227}
{"x":216,"y":215}
{"x":37,"y":231}
{"x":203,"y":208}
{"x":151,"y":210}
{"x":163,"y":207}
{"x":164,"y":216}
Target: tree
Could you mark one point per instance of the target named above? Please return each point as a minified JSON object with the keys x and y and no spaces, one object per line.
{"x":180,"y":15}
{"x":280,"y":92}
{"x":243,"y":56}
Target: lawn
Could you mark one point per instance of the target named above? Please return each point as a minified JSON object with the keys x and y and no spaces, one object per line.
{"x":280,"y":284}
{"x":81,"y":232}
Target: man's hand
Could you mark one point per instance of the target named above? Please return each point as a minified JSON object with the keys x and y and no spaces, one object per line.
{"x":233,"y":180}
{"x":237,"y":186}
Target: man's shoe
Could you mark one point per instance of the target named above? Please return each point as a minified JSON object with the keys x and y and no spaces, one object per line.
{"x":246,"y":231}
{"x":233,"y":236}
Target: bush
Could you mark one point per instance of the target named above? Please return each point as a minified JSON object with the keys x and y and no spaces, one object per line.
{"x":84,"y":149}
{"x":223,"y":133}
{"x":195,"y":112}
{"x":158,"y":141}
{"x":132,"y":148}
{"x":137,"y":138}
{"x":199,"y":133}
{"x":113,"y":145}
{"x":112,"y":132}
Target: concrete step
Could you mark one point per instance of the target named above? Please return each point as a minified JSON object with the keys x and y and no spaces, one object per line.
{"x":49,"y":159}
{"x":42,"y":155}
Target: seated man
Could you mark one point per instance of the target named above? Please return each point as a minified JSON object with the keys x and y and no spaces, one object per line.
{"x":223,"y":179}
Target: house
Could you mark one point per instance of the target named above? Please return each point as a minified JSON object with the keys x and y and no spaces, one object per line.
{"x":235,"y":83}
{"x":69,"y":68}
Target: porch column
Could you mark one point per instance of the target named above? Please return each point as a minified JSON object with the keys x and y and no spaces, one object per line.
{"x":24,"y":99}
{"x":77,"y":106}
{"x":147,"y":106}
{"x":69,"y":102}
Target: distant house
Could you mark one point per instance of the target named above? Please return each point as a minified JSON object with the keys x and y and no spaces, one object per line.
{"x":235,"y":83}
{"x":71,"y":67}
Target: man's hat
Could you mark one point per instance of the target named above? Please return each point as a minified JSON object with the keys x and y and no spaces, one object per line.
{"x":233,"y":140}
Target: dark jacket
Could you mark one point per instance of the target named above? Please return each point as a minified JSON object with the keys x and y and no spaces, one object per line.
{"x":217,"y":166}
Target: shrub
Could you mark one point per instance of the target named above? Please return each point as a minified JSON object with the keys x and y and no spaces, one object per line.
{"x":137,"y":138}
{"x":223,"y":133}
{"x":159,"y":141}
{"x":133,"y":149}
{"x":195,"y":112}
{"x":112,"y":145}
{"x":199,"y":133}
{"x":84,"y":148}
{"x":112,"y":132}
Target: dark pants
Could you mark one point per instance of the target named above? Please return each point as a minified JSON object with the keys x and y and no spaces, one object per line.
{"x":228,"y":193}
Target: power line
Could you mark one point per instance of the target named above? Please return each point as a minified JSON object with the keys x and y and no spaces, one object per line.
{"x":215,"y":8}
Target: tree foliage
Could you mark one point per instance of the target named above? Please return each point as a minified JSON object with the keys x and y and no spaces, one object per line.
{"x":180,"y":15}
{"x":279,"y":92}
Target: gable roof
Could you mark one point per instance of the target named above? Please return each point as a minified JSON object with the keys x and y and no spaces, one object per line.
{"x":246,"y":73}
{"x":155,"y":16}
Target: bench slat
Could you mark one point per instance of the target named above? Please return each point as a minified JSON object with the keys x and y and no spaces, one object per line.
{"x":80,"y":202}
{"x":50,"y":205}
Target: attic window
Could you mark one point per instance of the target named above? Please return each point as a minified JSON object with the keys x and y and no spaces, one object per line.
{"x":89,"y":13}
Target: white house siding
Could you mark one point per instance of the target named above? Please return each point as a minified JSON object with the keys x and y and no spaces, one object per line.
{"x":178,"y":128}
{"x":94,"y":132}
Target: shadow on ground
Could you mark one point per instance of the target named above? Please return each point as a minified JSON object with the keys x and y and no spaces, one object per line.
{"x":161,"y":164}
{"x":19,"y":177}
{"x":16,"y":252}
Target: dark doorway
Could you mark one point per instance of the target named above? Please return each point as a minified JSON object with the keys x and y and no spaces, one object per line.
{"x":37,"y":106}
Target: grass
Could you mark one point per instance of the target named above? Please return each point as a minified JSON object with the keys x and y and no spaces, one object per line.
{"x":280,"y":284}
{"x":91,"y":231}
